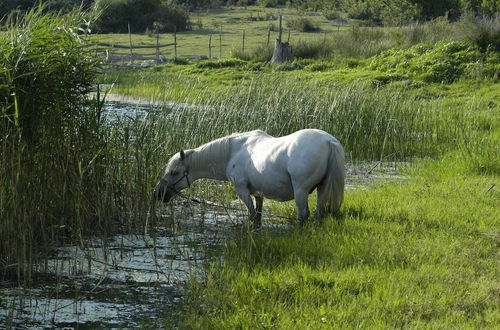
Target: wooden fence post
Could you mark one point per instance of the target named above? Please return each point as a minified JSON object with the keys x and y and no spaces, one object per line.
{"x":210,"y":47}
{"x":220,"y":43}
{"x":130,"y":43}
{"x":157,"y":45}
{"x":243,"y":47}
{"x":279,"y":31}
{"x":175,"y":42}
{"x":268,"y":35}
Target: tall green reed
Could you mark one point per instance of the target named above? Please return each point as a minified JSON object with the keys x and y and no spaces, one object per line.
{"x":372,"y":122}
{"x":64,"y":172}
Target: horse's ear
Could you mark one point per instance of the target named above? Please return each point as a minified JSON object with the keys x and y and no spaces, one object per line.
{"x":186,"y":154}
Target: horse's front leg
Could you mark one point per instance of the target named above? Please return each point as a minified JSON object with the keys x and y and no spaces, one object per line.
{"x":244,"y":194}
{"x":258,"y":205}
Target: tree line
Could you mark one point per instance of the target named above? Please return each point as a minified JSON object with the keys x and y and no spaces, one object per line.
{"x":170,"y":15}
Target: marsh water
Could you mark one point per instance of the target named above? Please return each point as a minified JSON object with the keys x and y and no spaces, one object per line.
{"x":138,"y":280}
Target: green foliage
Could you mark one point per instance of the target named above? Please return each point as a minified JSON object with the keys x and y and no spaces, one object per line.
{"x":49,"y":132}
{"x":47,"y":70}
{"x":64,"y":173}
{"x":483,"y":32}
{"x":6,"y":6}
{"x":267,"y":3}
{"x":164,"y":15}
{"x":312,"y":49}
{"x":261,"y":53}
{"x":301,"y":24}
{"x":443,"y":63}
{"x":331,"y":14}
{"x":404,"y":255}
{"x":228,"y":63}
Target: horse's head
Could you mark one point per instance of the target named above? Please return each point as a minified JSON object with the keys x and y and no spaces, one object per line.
{"x":175,"y":178}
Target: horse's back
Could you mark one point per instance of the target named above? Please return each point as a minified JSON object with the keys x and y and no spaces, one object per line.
{"x":310,"y":135}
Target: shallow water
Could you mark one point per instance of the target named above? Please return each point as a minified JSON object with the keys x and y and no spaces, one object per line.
{"x":137,"y":280}
{"x":124,"y":281}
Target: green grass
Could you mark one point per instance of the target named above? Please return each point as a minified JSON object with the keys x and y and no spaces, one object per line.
{"x":330,"y":39}
{"x":254,"y":21}
{"x":419,"y":254}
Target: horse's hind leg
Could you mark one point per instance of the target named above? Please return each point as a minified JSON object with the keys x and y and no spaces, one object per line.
{"x":320,"y":205}
{"x":301,"y":196}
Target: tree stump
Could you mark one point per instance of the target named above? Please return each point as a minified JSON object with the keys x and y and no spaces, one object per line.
{"x":282,"y":52}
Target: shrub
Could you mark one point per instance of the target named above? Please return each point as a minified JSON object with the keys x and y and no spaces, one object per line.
{"x":331,"y":14}
{"x":261,"y":53}
{"x":301,"y":24}
{"x":142,"y":15}
{"x":444,"y":62}
{"x":227,"y":63}
{"x":47,"y":72}
{"x":484,"y":32}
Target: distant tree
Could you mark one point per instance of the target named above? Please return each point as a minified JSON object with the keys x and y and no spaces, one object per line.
{"x":491,"y":7}
{"x":6,"y":6}
{"x":142,"y":15}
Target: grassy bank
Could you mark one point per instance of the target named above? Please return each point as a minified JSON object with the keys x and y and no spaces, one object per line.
{"x":419,"y":254}
{"x":423,"y":253}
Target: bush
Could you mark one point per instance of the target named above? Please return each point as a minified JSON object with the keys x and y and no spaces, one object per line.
{"x":484,"y":32}
{"x":227,"y":63}
{"x":301,"y":24}
{"x":444,"y":62}
{"x":46,"y":73}
{"x":142,"y":15}
{"x":261,"y":53}
{"x":313,"y":49}
{"x":331,"y":14}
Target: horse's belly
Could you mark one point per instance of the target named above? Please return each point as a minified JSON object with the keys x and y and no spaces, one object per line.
{"x":281,"y":190}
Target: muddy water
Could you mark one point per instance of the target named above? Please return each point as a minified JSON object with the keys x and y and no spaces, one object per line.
{"x":137,"y":280}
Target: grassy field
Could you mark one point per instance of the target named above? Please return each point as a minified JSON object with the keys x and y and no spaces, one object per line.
{"x":423,"y":253}
{"x":254,"y":21}
{"x":260,"y":23}
{"x":418,"y":253}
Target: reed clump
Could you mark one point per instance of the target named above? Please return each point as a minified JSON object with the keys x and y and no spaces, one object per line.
{"x":64,"y":171}
{"x":372,"y":123}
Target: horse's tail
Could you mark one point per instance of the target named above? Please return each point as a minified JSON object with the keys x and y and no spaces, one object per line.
{"x":334,"y":179}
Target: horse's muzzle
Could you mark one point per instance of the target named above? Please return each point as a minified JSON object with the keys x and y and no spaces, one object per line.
{"x":162,"y":194}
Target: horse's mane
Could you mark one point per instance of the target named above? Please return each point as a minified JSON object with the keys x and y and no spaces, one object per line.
{"x":219,"y":149}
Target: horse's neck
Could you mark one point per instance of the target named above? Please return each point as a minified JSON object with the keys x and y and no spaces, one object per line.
{"x":209,"y":161}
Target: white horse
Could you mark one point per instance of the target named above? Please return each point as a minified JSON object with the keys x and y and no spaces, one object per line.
{"x":284,"y":168}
